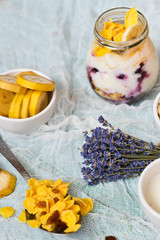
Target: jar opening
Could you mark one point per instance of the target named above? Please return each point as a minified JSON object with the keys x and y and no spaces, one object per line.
{"x":118,"y":15}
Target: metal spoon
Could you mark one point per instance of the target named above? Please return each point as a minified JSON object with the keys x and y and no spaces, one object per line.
{"x":8,"y":154}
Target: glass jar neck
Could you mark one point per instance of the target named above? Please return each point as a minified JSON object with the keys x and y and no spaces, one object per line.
{"x":118,"y":15}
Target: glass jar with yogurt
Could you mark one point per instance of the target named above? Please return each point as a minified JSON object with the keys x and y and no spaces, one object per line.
{"x":122,"y":71}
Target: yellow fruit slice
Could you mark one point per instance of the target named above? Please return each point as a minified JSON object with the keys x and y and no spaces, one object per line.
{"x":11,"y":109}
{"x":44,"y":218}
{"x":89,"y":202}
{"x":60,"y":205}
{"x":29,"y":204}
{"x":73,"y":228}
{"x":26,"y":73}
{"x":7,"y":183}
{"x":22,"y":217}
{"x":131,"y":17}
{"x":6,"y":211}
{"x":39,"y":101}
{"x":118,"y":37}
{"x":69,"y":204}
{"x":68,"y":198}
{"x":107,"y":24}
{"x":9,"y":83}
{"x":84,"y":209}
{"x":6,"y":98}
{"x":118,"y":30}
{"x":80,"y":201}
{"x":49,"y":227}
{"x":108,"y":34}
{"x":25,"y":104}
{"x":57,"y":183}
{"x":17,"y":105}
{"x":68,"y":216}
{"x":35,"y":82}
{"x":75,"y":208}
{"x":34,"y":223}
{"x":132,"y":32}
{"x":64,"y":184}
{"x":86,"y":204}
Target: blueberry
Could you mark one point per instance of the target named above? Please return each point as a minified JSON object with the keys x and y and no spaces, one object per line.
{"x":94,"y":70}
{"x":141,"y":64}
{"x":139,"y":70}
{"x":122,"y":76}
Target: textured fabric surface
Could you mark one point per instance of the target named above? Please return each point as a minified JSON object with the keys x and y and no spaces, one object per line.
{"x":53,"y":36}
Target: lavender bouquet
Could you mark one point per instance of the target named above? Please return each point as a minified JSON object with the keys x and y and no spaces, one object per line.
{"x":111,"y":154}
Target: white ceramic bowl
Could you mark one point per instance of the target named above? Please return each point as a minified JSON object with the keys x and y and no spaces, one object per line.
{"x":30,"y":124}
{"x":148,"y":173}
{"x":155,"y":114}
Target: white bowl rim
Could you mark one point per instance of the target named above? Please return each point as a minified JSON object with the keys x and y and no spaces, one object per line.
{"x":38,"y":114}
{"x":141,"y":196}
{"x":157,"y":119}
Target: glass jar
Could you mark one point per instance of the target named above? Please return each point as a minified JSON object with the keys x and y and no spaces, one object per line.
{"x":122,"y":71}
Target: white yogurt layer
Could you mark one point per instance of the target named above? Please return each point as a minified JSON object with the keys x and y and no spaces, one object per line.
{"x":113,"y":64}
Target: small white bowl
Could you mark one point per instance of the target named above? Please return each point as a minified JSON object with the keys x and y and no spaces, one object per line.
{"x":148,"y":173}
{"x":30,"y":124}
{"x":155,"y":114}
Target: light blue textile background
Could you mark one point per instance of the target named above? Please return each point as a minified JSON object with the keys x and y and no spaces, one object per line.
{"x":53,"y":36}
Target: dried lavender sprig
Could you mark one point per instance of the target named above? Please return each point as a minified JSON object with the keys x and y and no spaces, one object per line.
{"x":111,"y":178}
{"x":147,"y":152}
{"x":109,"y":151}
{"x":106,"y":124}
{"x":130,"y":172}
{"x":141,"y":149}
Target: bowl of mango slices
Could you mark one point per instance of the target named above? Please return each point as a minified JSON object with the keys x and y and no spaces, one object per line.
{"x":27,"y":100}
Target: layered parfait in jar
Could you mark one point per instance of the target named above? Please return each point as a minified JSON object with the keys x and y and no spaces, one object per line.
{"x":122,"y":64}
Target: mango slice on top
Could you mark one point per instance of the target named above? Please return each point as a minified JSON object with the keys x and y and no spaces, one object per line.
{"x":131,"y":17}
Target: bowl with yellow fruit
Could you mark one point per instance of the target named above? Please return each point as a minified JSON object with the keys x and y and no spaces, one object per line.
{"x":27,"y":100}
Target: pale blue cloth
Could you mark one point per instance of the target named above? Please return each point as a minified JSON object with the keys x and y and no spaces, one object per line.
{"x":53,"y":36}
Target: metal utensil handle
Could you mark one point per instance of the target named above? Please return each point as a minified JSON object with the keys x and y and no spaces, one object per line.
{"x":7,"y":153}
